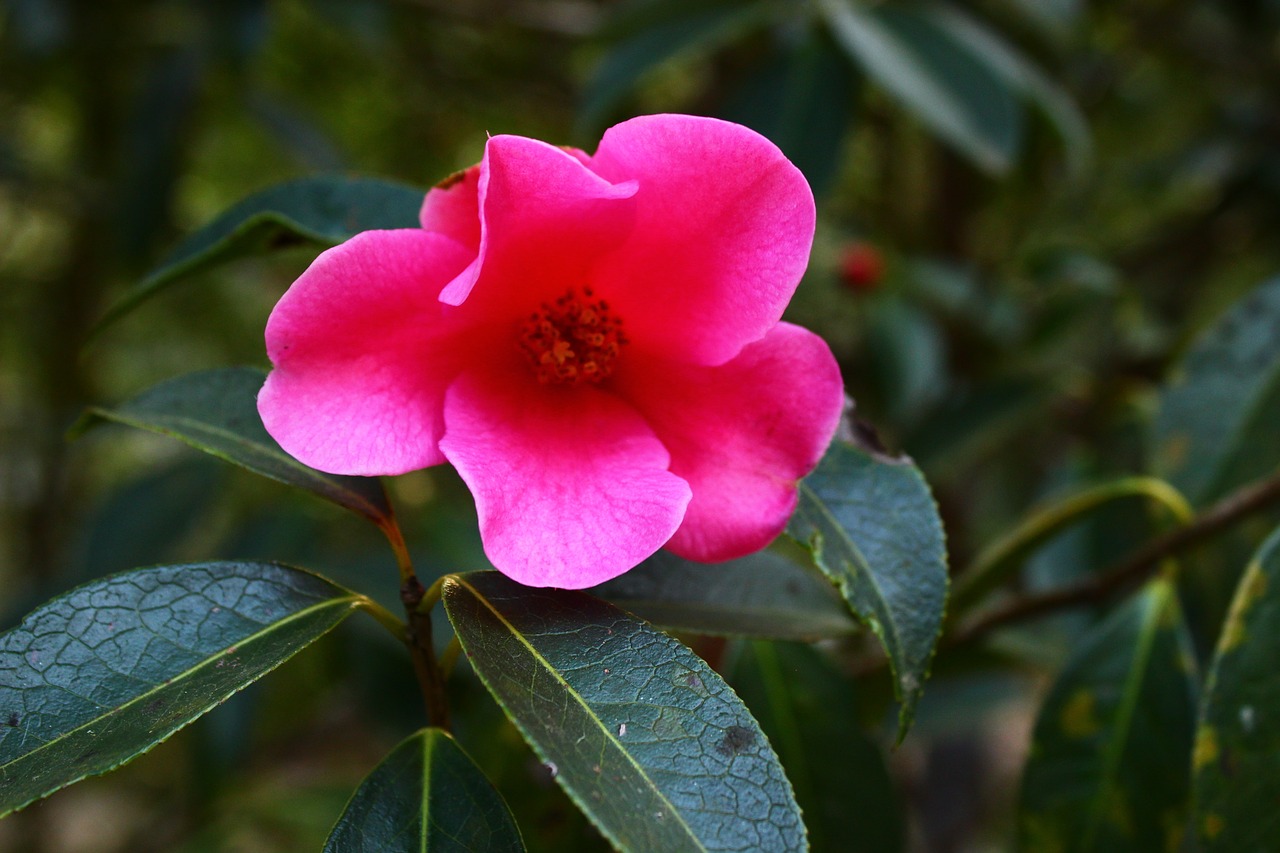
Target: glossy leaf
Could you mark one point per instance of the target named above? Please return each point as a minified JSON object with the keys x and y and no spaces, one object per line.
{"x":808,"y":710}
{"x":649,"y":33}
{"x":1217,"y":423}
{"x":1237,"y":749}
{"x":1111,"y":747}
{"x":649,"y":742}
{"x":107,"y":671}
{"x":766,"y":594}
{"x":426,"y":795}
{"x":321,"y":211}
{"x":873,"y":527}
{"x":940,"y":80}
{"x":216,"y":411}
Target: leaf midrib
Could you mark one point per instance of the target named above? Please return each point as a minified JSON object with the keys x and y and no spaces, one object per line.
{"x":352,"y":601}
{"x":357,"y":502}
{"x":888,"y":628}
{"x":1114,"y":751}
{"x":608,"y":734}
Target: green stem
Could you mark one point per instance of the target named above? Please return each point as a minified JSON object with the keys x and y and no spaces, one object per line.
{"x":1236,"y":506}
{"x":384,"y":617}
{"x":996,"y":563}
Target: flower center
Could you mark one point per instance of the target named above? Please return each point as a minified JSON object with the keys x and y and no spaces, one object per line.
{"x":574,"y":339}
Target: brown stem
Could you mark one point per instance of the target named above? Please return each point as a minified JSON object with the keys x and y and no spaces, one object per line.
{"x":422,"y":650}
{"x":1235,"y":506}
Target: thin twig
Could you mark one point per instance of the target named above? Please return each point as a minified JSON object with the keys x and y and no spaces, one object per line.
{"x":1239,"y":504}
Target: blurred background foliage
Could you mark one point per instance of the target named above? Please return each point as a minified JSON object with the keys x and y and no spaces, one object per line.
{"x":1028,"y":209}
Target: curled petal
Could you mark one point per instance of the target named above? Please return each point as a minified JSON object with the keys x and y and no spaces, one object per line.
{"x":452,"y":208}
{"x":571,"y":485}
{"x":724,"y":224}
{"x":363,"y":350}
{"x":545,"y":220}
{"x":742,"y":434}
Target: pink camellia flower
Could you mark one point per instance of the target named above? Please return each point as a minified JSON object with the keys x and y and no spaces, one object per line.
{"x":593,"y":342}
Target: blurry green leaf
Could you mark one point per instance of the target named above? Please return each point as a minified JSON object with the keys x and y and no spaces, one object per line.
{"x":802,"y":100}
{"x":648,"y":741}
{"x":1109,"y":755}
{"x":147,"y":520}
{"x":807,"y":709}
{"x":216,"y":411}
{"x":944,"y":84}
{"x":910,"y":367}
{"x":1216,"y":428}
{"x":102,"y":674}
{"x":765,"y":594}
{"x":321,"y":211}
{"x":1237,"y":749}
{"x":426,"y":795}
{"x":1026,"y":78}
{"x":874,"y":529}
{"x":654,"y":31}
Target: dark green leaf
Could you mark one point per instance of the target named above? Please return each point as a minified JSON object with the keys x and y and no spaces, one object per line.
{"x":764,"y":595}
{"x":426,"y":795}
{"x":104,"y":673}
{"x":874,"y":529}
{"x":320,"y":211}
{"x":1111,"y":747}
{"x":802,"y":100}
{"x":1237,"y":749}
{"x":807,"y":709}
{"x":942,"y":82}
{"x":216,"y":411}
{"x":1027,"y":79}
{"x":655,"y":32}
{"x":1217,"y":423}
{"x":648,"y":741}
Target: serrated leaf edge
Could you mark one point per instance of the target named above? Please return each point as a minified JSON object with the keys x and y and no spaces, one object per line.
{"x":457,"y":580}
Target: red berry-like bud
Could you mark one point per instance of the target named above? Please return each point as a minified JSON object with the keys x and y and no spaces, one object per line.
{"x":861,"y":267}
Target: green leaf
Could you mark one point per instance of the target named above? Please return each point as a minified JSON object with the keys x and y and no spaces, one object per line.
{"x":1216,"y":428}
{"x":320,"y":211}
{"x":426,"y":795}
{"x":649,"y":742}
{"x":105,"y":672}
{"x":216,"y":411}
{"x":654,"y":32}
{"x":1020,"y":73}
{"x":766,"y":594}
{"x":1111,"y":747}
{"x":1237,"y":749}
{"x":802,"y":100}
{"x":939,"y":79}
{"x":808,"y":710}
{"x":874,"y":529}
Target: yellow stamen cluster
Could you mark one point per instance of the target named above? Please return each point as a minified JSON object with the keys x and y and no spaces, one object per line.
{"x":574,"y":339}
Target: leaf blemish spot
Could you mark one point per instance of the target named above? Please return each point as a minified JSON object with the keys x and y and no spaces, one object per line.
{"x":735,"y":740}
{"x":13,"y":721}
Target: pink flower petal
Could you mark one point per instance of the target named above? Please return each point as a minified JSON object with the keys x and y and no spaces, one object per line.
{"x":724,"y":224}
{"x":545,"y":221}
{"x":363,"y":351}
{"x":571,"y":486}
{"x":452,"y":208}
{"x":742,"y":434}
